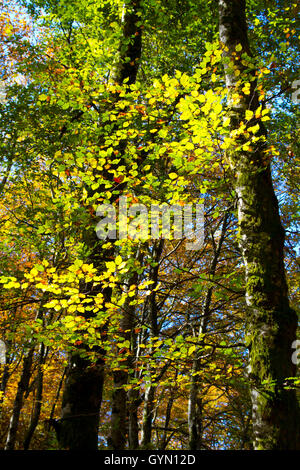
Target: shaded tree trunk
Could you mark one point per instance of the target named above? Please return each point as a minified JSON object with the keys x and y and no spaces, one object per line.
{"x":120,"y":405}
{"x":6,"y":368}
{"x":148,"y":415}
{"x":118,"y":434}
{"x":19,"y":398}
{"x":134,"y":401}
{"x":4,"y":382}
{"x":38,"y":399}
{"x":22,"y":389}
{"x":78,"y":427}
{"x":271,"y":323}
{"x":165,"y":438}
{"x":194,"y":411}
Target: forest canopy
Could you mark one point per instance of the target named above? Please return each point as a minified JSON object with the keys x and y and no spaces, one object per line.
{"x":149,"y":182}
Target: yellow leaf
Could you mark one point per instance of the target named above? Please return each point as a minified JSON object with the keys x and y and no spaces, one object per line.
{"x":249,"y":114}
{"x":34,"y":272}
{"x":118,"y":260}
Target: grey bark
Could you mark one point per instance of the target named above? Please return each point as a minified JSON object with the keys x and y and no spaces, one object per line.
{"x":271,"y":322}
{"x":148,"y":410}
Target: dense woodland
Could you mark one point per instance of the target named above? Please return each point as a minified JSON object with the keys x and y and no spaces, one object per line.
{"x":138,"y":342}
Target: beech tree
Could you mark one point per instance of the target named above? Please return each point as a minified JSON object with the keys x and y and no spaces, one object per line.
{"x":78,"y":427}
{"x":131,"y":335}
{"x":271,"y":322}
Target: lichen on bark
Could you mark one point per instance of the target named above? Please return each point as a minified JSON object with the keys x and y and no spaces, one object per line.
{"x":271,"y":322}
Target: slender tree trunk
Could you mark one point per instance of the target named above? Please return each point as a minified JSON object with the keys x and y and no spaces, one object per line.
{"x":194,"y":417}
{"x":78,"y":427}
{"x":6,"y":369}
{"x":134,"y":397}
{"x":119,"y":425}
{"x":4,"y":382}
{"x":154,"y":330}
{"x":271,"y":322}
{"x":165,"y":439}
{"x":134,"y":401}
{"x":148,"y":415}
{"x":22,"y":388}
{"x":38,"y":399}
{"x":51,"y":421}
{"x":18,"y":403}
{"x":118,"y":434}
{"x":195,"y":405}
{"x":8,"y":168}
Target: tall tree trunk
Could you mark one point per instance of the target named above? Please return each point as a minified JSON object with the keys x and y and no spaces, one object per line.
{"x":134,"y":397}
{"x":134,"y":401}
{"x":195,"y":411}
{"x":148,"y":415}
{"x":38,"y":399}
{"x":154,"y":331}
{"x":6,"y":369}
{"x":120,"y":376}
{"x":165,"y":439}
{"x":119,"y":425}
{"x":271,"y":323}
{"x":22,"y":388}
{"x":4,"y":380}
{"x":51,"y":422}
{"x":118,"y":434}
{"x":81,"y":403}
{"x":19,"y":398}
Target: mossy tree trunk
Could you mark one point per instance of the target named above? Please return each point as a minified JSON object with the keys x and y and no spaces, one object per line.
{"x":271,"y":322}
